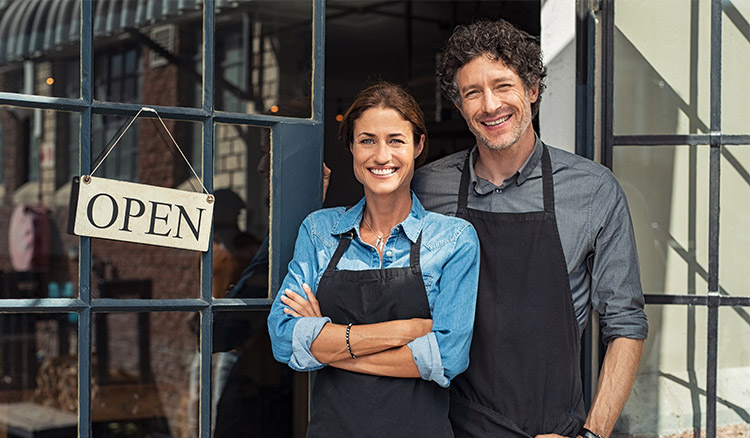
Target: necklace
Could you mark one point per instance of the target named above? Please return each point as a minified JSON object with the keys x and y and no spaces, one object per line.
{"x":380,"y":241}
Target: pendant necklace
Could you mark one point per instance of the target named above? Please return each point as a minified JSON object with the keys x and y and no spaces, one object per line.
{"x":380,"y":239}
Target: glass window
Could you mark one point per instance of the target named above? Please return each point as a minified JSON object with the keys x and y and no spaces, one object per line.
{"x":241,"y":213}
{"x":147,"y":52}
{"x":41,"y":47}
{"x":733,"y":399}
{"x":141,"y":365}
{"x":38,"y":373}
{"x":734,"y":228}
{"x":264,"y":57}
{"x":661,"y":88}
{"x":669,"y":396}
{"x":735,"y":46}
{"x":667,"y":191}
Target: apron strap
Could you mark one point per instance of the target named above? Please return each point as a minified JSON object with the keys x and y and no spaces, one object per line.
{"x":463,"y":188}
{"x":547,"y":183}
{"x":344,"y":241}
{"x":414,"y":255}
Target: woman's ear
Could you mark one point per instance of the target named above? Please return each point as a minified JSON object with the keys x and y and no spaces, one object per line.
{"x":419,"y":147}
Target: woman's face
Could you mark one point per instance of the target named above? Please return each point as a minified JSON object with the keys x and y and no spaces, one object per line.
{"x":384,"y":151}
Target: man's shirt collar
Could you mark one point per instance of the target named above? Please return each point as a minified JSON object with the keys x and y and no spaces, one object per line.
{"x":482,"y":186}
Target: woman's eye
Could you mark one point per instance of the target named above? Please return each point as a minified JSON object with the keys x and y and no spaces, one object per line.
{"x":397,"y":141}
{"x":367,"y":141}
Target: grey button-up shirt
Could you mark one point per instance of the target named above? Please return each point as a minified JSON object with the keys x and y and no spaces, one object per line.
{"x":592,"y":218}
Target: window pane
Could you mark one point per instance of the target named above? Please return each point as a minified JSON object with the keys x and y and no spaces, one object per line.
{"x":40,"y":149}
{"x":38,"y":374}
{"x":253,"y":395}
{"x":734,"y":226}
{"x":148,"y":52}
{"x":735,"y":47}
{"x":667,"y":191}
{"x":669,"y":395}
{"x":264,"y":57}
{"x":733,"y":407}
{"x":41,"y":47}
{"x":662,"y":88}
{"x":141,"y":373}
{"x":241,"y":213}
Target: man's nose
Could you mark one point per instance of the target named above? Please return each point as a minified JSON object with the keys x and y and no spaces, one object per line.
{"x":490,"y":102}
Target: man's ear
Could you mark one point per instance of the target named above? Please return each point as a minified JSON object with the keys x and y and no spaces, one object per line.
{"x":533,"y":93}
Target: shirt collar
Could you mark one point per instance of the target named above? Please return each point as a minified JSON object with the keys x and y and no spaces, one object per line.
{"x":482,"y":186}
{"x":412,"y":225}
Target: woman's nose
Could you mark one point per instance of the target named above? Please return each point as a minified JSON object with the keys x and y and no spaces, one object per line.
{"x":383,"y":153}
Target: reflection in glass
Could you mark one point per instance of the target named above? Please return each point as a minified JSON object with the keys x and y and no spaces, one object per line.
{"x":146,"y":155}
{"x":667,"y":191}
{"x":241,"y":214}
{"x":661,"y":88}
{"x":734,"y":225}
{"x":38,"y":374}
{"x":733,"y":396}
{"x":40,"y":47}
{"x":264,"y":57}
{"x":148,"y":52}
{"x":252,"y":394}
{"x":40,"y":152}
{"x":669,"y":395}
{"x":140,"y":373}
{"x":735,"y":45}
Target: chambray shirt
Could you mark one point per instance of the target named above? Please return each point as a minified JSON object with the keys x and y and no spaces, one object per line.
{"x":593,"y":221}
{"x":449,"y":258}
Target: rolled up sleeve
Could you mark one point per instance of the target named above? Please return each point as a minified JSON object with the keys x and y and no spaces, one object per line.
{"x":617,"y":294}
{"x":444,"y":353}
{"x":292,"y":337}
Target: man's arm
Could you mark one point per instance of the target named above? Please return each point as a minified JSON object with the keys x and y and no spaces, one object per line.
{"x":615,"y":382}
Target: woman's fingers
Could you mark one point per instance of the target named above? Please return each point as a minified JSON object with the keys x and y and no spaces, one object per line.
{"x":313,"y":301}
{"x":298,"y":304}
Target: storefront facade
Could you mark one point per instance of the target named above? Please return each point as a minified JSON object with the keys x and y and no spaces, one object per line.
{"x":104,"y":338}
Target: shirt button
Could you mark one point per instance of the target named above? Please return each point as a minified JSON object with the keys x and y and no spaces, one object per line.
{"x":388,"y":253}
{"x":498,"y":190}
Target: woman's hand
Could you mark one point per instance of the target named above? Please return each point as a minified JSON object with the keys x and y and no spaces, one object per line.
{"x":298,"y":306}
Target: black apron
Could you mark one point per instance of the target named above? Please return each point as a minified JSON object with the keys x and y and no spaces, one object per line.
{"x":524,"y":374}
{"x":348,"y":404}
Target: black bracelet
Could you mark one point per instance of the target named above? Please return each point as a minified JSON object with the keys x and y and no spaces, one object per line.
{"x":348,"y":346}
{"x":586,"y":433}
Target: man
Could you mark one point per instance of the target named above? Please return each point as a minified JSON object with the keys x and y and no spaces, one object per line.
{"x":556,"y":235}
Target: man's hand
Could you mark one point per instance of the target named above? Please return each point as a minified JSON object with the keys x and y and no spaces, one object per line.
{"x":551,"y":435}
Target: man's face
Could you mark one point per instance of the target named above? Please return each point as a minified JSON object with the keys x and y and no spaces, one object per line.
{"x":494,"y":102}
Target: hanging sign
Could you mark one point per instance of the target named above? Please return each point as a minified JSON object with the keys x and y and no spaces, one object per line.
{"x":119,"y":210}
{"x":140,"y":213}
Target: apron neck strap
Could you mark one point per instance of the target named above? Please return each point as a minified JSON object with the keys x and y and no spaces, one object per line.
{"x":547,"y":183}
{"x":346,"y":238}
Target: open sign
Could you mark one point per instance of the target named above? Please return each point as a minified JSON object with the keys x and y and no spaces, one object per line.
{"x":139,"y":213}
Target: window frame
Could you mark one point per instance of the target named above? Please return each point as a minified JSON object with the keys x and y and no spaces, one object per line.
{"x":716,"y":139}
{"x":296,"y":189}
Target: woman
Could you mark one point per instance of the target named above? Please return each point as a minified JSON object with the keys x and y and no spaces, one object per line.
{"x":391,"y":289}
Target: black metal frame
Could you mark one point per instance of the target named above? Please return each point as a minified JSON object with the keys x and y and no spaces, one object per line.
{"x":295,"y":182}
{"x":715,"y":298}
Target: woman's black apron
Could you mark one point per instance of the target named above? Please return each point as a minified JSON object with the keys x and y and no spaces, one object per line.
{"x":348,"y":404}
{"x":524,"y":374}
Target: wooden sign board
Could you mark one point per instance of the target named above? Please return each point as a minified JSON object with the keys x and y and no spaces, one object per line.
{"x":139,"y":213}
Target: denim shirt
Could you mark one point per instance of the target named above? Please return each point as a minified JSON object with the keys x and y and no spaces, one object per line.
{"x":449,"y":258}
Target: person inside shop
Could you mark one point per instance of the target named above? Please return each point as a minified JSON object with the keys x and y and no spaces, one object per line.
{"x":379,"y":297}
{"x":556,"y":238}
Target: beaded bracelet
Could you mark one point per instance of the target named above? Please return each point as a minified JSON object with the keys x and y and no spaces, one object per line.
{"x":348,"y":346}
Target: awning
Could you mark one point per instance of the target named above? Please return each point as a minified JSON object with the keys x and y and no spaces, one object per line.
{"x":32,"y":28}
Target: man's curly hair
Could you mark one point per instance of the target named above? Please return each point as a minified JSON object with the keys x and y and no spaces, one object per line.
{"x":499,"y":40}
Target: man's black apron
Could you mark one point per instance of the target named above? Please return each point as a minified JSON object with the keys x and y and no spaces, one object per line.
{"x":524,"y":374}
{"x":347,"y":404}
